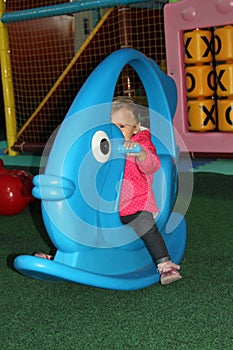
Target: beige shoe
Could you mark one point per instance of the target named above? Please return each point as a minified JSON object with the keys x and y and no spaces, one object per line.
{"x":44,"y":256}
{"x":169,"y":276}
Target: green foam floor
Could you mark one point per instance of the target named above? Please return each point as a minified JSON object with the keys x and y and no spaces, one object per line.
{"x":217,"y":166}
{"x":22,"y":160}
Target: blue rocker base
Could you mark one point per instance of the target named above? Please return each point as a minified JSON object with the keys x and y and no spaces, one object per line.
{"x":111,"y":261}
{"x":80,"y":186}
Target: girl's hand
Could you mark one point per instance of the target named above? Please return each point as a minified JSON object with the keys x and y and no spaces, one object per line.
{"x":130,"y":145}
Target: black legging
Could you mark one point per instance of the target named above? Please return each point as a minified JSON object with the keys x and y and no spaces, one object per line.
{"x":144,"y":225}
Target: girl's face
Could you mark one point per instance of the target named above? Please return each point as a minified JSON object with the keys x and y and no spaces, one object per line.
{"x":125,"y":121}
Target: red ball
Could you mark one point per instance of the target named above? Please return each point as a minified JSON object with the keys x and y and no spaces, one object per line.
{"x":15,"y":190}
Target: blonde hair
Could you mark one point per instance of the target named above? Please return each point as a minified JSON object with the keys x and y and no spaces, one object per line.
{"x":128,"y":103}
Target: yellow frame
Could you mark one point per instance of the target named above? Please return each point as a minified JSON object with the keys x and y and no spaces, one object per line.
{"x":7,"y":84}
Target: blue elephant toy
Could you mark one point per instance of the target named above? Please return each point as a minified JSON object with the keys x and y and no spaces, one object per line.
{"x":80,"y":186}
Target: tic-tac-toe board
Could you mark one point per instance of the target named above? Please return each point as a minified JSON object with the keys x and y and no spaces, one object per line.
{"x":199,"y":47}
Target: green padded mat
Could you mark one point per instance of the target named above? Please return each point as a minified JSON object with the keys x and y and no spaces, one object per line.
{"x":23,"y":160}
{"x":217,"y":166}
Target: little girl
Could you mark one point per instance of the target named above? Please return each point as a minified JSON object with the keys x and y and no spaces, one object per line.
{"x":137,"y":203}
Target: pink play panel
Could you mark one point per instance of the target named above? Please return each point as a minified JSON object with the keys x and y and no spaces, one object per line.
{"x":181,"y":17}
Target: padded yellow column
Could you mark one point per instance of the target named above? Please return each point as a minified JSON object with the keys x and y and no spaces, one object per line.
{"x":7,"y":85}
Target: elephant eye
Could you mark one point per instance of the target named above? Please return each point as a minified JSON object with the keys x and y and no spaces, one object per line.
{"x":101,"y":146}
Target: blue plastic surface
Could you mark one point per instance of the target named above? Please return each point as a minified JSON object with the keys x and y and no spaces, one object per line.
{"x":81,"y":183}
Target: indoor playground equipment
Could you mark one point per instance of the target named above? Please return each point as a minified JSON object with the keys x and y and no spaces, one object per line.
{"x":15,"y":190}
{"x":199,"y":52}
{"x":80,"y":185}
{"x":48,"y":51}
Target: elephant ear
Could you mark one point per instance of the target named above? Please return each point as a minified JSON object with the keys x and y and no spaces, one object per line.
{"x":160,"y":91}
